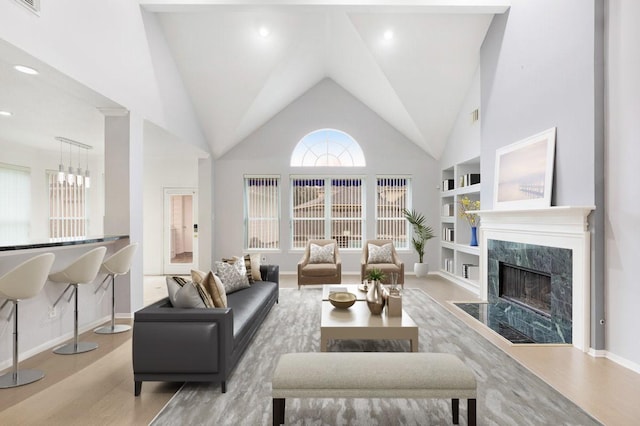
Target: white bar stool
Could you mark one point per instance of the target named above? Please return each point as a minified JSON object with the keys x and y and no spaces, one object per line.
{"x":82,"y":271}
{"x":118,"y":263}
{"x":23,"y":282}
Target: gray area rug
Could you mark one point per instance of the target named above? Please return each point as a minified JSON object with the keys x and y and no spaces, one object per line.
{"x":508,"y":394}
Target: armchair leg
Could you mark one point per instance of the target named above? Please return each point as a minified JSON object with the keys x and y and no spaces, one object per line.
{"x":223,"y":387}
{"x":137,"y":388}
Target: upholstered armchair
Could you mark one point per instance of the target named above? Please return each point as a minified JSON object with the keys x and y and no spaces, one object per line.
{"x":320,"y":263}
{"x":382,"y":256}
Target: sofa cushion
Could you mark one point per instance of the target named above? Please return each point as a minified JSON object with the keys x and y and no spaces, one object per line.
{"x":247,"y":304}
{"x":255,"y":266}
{"x":319,"y":270}
{"x":380,"y":254}
{"x":192,"y":295}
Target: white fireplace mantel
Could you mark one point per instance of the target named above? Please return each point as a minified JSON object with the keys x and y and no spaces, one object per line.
{"x":564,"y":227}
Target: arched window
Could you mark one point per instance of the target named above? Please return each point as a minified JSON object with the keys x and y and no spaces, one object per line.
{"x":327,"y":148}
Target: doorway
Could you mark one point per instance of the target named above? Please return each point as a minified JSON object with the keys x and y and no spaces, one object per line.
{"x":180,"y":231}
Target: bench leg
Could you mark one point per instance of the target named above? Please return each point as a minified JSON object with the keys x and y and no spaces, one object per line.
{"x":471,"y":412}
{"x":455,"y":407}
{"x":278,"y":411}
{"x":137,"y":388}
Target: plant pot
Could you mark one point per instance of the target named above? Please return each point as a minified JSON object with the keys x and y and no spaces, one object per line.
{"x":421,"y":269}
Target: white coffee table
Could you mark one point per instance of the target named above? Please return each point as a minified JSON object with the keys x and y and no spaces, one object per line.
{"x":358,"y":323}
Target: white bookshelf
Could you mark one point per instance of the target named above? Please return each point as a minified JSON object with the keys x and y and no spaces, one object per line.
{"x":457,"y":252}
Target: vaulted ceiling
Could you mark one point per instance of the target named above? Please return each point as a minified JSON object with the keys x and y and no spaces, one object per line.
{"x":238,"y":79}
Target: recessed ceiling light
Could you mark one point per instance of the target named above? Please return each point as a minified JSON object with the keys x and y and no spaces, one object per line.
{"x":264,"y":32}
{"x":5,"y":113}
{"x":26,"y":70}
{"x":388,"y":35}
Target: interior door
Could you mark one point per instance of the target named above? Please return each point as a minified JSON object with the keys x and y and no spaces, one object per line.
{"x":180,"y":231}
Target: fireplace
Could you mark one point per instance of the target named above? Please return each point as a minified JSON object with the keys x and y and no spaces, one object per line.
{"x":553,"y":241}
{"x":530,"y":288}
{"x":525,"y":287}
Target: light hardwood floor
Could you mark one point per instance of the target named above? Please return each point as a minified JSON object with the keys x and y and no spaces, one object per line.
{"x":97,"y":387}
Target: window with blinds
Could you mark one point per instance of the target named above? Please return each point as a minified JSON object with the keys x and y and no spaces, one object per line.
{"x":262,"y":212}
{"x":392,"y":197}
{"x":327,"y":208}
{"x":15,"y":203}
{"x":67,"y":208}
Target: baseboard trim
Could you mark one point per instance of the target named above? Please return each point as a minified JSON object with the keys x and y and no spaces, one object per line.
{"x":622,"y":361}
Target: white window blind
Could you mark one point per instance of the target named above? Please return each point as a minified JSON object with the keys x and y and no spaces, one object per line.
{"x":327,"y":208}
{"x":15,"y":203}
{"x":67,"y":208}
{"x":392,"y":197}
{"x":262,"y":212}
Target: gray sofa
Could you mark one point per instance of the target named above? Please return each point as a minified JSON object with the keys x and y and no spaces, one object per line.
{"x":200,"y":345}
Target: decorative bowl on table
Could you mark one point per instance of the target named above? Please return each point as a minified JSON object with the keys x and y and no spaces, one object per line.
{"x":342,"y":299}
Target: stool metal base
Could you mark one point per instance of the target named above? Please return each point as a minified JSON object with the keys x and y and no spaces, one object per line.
{"x":72,"y":348}
{"x":108,"y":329}
{"x":22,"y":377}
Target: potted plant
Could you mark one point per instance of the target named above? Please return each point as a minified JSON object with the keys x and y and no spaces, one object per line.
{"x":421,"y":234}
{"x":375,"y":275}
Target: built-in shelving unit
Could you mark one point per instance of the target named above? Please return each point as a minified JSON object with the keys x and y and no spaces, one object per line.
{"x":456,"y":253}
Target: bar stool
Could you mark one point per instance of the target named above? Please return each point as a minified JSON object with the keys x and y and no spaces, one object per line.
{"x":83,"y":270}
{"x":23,"y":282}
{"x":118,"y":263}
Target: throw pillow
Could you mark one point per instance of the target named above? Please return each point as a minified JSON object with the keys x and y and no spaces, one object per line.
{"x":321,"y":254}
{"x":215,"y":288}
{"x":247,"y":266}
{"x":233,"y":276}
{"x":192,"y":295}
{"x":255,"y":266}
{"x":380,"y":254}
{"x":173,"y":285}
{"x":198,"y":276}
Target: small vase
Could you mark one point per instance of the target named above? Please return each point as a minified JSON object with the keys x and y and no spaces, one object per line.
{"x":474,"y":236}
{"x":375,"y":298}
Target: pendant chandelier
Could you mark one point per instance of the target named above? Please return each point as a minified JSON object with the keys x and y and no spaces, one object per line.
{"x":78,"y":178}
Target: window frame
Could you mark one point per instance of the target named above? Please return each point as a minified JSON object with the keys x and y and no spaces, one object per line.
{"x":328,"y":218}
{"x":408,"y":206}
{"x":306,"y":146}
{"x":247,"y":219}
{"x":51,"y":177}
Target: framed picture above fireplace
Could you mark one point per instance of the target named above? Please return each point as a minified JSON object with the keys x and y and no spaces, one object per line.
{"x":524,"y":172}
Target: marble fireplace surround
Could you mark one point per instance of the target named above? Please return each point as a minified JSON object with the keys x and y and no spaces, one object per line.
{"x":562,"y":227}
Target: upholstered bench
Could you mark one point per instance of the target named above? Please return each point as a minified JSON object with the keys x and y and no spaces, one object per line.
{"x":373,"y":375}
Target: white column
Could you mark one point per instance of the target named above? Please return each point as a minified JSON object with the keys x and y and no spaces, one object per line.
{"x":124,"y":139}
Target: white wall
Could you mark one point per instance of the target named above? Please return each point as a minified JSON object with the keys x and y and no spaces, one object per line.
{"x":39,"y":161}
{"x":622,"y":189}
{"x":464,"y":139}
{"x":268,"y":151}
{"x":111,"y":47}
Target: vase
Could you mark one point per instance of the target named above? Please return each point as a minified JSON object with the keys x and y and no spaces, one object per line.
{"x":474,"y":236}
{"x":375,"y":298}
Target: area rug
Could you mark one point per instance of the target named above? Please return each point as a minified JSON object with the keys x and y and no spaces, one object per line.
{"x":508,"y":394}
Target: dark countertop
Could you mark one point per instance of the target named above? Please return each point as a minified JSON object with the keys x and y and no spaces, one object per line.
{"x":59,"y":242}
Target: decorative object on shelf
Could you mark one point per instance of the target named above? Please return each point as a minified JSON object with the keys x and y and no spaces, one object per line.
{"x":467,"y":208}
{"x":394,"y":305}
{"x":474,"y":236}
{"x":342,"y":299}
{"x":524,"y":172}
{"x":375,"y":295}
{"x":421,"y":234}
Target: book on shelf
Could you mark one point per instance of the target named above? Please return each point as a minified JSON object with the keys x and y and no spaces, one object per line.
{"x":448,"y":264}
{"x":469,"y":179}
{"x":447,"y":234}
{"x":447,"y":209}
{"x":448,"y":185}
{"x":470,"y":271}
